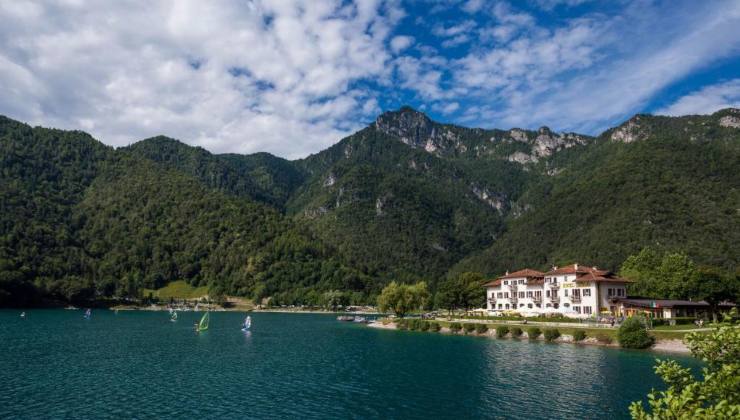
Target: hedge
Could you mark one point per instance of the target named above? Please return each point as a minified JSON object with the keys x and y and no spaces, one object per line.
{"x":501,"y":331}
{"x":551,"y":334}
{"x":533,"y":333}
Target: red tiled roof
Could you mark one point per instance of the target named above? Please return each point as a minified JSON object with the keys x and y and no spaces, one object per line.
{"x":596,"y":276}
{"x":493,"y":283}
{"x":527,"y":272}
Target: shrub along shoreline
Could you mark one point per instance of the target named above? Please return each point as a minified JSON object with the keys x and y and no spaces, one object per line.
{"x":587,"y":336}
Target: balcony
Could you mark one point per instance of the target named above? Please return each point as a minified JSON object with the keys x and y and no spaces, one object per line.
{"x":513,"y":287}
{"x":492,"y":301}
{"x":554,"y":298}
{"x":537,"y":299}
{"x":553,"y":286}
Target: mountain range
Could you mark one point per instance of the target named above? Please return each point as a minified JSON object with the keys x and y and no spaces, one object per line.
{"x":405,"y":198}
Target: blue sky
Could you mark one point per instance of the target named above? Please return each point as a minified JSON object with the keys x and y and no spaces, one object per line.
{"x":293,"y":77}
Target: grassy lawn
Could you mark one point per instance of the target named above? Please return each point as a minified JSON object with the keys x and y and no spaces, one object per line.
{"x":178,"y":290}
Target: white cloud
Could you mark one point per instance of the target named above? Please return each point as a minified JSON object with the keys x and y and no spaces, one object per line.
{"x":229,"y":75}
{"x":450,"y":108}
{"x":472,"y":6}
{"x":585,"y":73}
{"x":706,"y":100}
{"x":400,"y":43}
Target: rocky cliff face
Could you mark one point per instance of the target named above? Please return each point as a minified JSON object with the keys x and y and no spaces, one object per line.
{"x":419,"y":131}
{"x":543,"y":144}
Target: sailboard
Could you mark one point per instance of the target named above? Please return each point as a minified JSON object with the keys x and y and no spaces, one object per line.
{"x":173,"y":318}
{"x":88,"y":314}
{"x":203,"y":325}
{"x":247,"y":323}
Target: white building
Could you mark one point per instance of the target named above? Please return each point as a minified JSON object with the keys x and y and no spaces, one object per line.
{"x":573,"y":290}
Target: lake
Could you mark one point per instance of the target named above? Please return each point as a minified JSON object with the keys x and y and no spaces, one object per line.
{"x":55,"y":364}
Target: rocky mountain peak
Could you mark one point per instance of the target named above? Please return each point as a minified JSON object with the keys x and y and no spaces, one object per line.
{"x":631,"y":131}
{"x":417,"y":130}
{"x":729,"y":117}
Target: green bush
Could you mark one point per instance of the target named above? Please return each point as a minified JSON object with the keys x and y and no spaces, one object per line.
{"x":516,"y":332}
{"x":424,"y":326}
{"x":414,"y":324}
{"x":632,"y":334}
{"x":501,"y":331}
{"x":481,"y":328}
{"x":604,"y":338}
{"x":402,"y":324}
{"x":434,"y":327}
{"x":551,"y":334}
{"x":533,"y":333}
{"x":469,"y":328}
{"x":455,"y":327}
{"x":579,"y":335}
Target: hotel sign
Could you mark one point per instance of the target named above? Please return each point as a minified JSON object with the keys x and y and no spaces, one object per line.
{"x":569,"y":285}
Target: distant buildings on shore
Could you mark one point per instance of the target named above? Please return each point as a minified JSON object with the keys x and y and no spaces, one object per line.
{"x":573,"y":290}
{"x":580,"y":292}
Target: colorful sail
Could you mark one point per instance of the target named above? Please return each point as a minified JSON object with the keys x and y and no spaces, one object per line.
{"x":203,"y":325}
{"x":247,"y":323}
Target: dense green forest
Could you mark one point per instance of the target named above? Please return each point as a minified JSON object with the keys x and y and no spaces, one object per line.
{"x":405,"y":199}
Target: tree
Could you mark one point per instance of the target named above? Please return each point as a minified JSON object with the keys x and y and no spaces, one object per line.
{"x":333,"y":299}
{"x":403,"y":298}
{"x":632,"y":334}
{"x":716,"y":396}
{"x":665,"y":275}
{"x":464,"y":291}
{"x":714,"y":287}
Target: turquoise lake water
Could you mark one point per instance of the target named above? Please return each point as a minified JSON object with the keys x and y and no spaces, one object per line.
{"x":55,"y":364}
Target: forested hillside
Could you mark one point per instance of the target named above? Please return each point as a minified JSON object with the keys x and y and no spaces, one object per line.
{"x":404,"y":199}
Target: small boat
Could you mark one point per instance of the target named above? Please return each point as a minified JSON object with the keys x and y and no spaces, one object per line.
{"x":203,"y":324}
{"x":347,"y":318}
{"x":88,"y":314}
{"x":23,"y":314}
{"x":360,"y":319}
{"x":247,"y":323}
{"x":173,"y":318}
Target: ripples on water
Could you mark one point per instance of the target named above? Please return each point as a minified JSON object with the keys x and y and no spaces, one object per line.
{"x":54,"y":364}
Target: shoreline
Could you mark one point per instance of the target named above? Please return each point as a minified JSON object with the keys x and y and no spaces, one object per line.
{"x":673,"y":346}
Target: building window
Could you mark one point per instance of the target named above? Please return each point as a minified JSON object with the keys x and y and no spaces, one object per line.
{"x":548,"y":305}
{"x":565,"y":292}
{"x":587,"y":310}
{"x":529,"y":305}
{"x":539,"y":305}
{"x":521,"y":305}
{"x":556,"y":305}
{"x":506,"y":295}
{"x":565,"y":305}
{"x":621,"y":292}
{"x":586,"y":292}
{"x":506,"y":283}
{"x":577,"y":309}
{"x":529,"y":294}
{"x":538,"y":293}
{"x":500,"y":306}
{"x":610,"y":292}
{"x":521,"y":295}
{"x":547,"y":293}
{"x":507,"y":306}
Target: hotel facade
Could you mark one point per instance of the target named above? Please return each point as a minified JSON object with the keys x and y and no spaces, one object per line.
{"x":574,"y":290}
